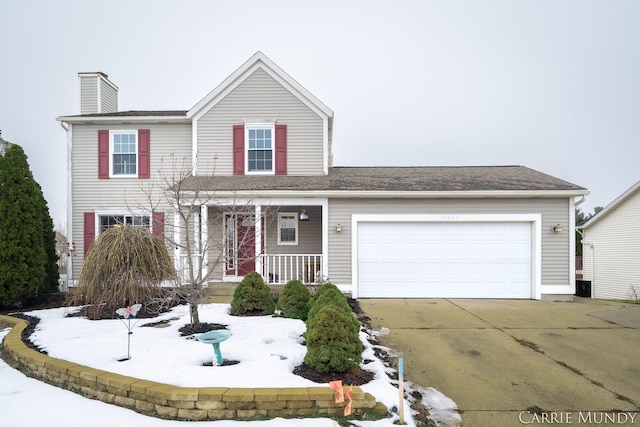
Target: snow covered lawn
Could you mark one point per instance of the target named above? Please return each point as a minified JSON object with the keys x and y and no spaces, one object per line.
{"x":267,"y":348}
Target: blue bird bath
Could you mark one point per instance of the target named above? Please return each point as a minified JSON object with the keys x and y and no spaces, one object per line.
{"x":215,"y":338}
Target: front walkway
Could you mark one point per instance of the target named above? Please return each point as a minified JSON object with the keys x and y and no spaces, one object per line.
{"x":505,"y":361}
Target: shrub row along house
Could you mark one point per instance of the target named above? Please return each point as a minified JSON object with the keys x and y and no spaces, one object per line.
{"x":245,"y":180}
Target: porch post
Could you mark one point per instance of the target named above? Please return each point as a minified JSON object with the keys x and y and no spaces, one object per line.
{"x":325,"y":240}
{"x":258,"y":238}
{"x":204,"y":239}
{"x":176,"y":239}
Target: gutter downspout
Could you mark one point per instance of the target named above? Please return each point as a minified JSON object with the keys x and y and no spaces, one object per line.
{"x":572,"y":239}
{"x":593,"y":261}
{"x":70,"y":244}
{"x":580,"y":231}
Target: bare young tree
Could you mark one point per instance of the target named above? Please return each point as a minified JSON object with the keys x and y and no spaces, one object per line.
{"x":199,"y":241}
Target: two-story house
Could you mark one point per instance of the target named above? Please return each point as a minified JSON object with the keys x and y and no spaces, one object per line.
{"x":252,"y":163}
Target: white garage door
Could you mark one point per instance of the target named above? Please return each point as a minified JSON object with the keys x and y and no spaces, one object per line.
{"x":444,"y":259}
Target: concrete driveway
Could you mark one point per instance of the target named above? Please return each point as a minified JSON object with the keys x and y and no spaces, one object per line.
{"x":519,"y":362}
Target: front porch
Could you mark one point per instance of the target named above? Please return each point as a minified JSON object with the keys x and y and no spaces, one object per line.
{"x":282,"y":242}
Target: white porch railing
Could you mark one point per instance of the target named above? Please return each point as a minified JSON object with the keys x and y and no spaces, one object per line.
{"x":281,"y":268}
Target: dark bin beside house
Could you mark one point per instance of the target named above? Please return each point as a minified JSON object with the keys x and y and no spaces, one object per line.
{"x":583,"y":288}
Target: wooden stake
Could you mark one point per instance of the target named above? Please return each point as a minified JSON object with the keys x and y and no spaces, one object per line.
{"x":401,"y":389}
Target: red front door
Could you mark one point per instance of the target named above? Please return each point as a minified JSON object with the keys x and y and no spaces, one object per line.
{"x":241,"y":244}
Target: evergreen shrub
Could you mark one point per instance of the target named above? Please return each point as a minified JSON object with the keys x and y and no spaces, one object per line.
{"x":252,"y":297}
{"x":329,"y":296}
{"x":294,"y":301}
{"x":333,"y":344}
{"x":321,"y":290}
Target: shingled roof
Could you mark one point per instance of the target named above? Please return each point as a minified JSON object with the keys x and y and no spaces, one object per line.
{"x":395,"y":179}
{"x":136,"y":113}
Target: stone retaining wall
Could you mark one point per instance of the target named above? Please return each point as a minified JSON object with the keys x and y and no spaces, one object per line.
{"x":184,"y":403}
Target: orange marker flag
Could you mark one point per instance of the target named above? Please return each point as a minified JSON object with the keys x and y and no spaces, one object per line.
{"x":347,"y":409}
{"x":337,"y":387}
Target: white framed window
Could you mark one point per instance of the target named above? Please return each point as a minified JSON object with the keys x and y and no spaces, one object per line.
{"x":259,"y":146}
{"x":288,"y":228}
{"x":123,"y":153}
{"x":107,"y":221}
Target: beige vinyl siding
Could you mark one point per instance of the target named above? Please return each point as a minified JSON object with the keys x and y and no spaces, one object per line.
{"x":260,"y":98}
{"x":615,"y":257}
{"x":109,"y":98}
{"x":555,"y":247}
{"x":309,"y":233}
{"x":169,"y":143}
{"x":88,"y":94}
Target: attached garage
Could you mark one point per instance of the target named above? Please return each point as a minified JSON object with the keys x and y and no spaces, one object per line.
{"x":460,"y":256}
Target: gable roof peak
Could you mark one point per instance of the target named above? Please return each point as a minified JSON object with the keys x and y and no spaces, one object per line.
{"x":258,"y":61}
{"x":612,"y":206}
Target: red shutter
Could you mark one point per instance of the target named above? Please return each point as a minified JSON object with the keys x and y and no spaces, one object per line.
{"x":89,"y":231}
{"x":281,"y":149}
{"x":238,"y":149}
{"x":158,"y":224}
{"x":103,"y":154}
{"x":144,"y":153}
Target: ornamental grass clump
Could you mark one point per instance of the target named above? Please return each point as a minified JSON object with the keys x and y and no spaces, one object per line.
{"x":294,"y":301}
{"x":333,"y":344}
{"x":252,"y":297}
{"x":126,"y":265}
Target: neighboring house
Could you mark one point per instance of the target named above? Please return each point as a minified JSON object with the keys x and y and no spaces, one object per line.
{"x":269,"y":198}
{"x":611,"y":248}
{"x":4,"y":145}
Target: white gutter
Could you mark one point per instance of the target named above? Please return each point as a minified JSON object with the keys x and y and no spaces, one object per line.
{"x":397,"y":194}
{"x":122,"y":119}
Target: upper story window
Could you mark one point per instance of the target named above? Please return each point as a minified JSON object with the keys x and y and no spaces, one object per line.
{"x":259,"y":145}
{"x":124,"y":153}
{"x":260,"y":149}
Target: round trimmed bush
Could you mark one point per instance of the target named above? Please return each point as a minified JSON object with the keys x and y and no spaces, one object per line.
{"x":333,"y":344}
{"x":329,"y":296}
{"x":321,"y":290}
{"x":252,"y":297}
{"x":294,"y":301}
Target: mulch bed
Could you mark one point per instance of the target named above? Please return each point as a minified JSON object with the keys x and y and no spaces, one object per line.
{"x":354,"y":376}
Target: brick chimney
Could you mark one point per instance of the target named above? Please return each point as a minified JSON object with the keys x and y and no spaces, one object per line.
{"x":97,"y":93}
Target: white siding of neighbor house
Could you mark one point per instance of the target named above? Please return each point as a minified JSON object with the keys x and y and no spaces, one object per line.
{"x":260,"y":98}
{"x":169,"y":142}
{"x":613,"y":264}
{"x":555,"y":246}
{"x":88,"y":94}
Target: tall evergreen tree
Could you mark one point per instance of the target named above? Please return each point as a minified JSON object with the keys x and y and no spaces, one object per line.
{"x":51,"y":283}
{"x":23,"y":221}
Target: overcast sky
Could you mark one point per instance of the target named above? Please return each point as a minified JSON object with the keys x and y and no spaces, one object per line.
{"x":549,"y":84}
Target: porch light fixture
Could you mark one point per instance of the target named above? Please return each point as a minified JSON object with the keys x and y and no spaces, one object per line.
{"x":304,"y":216}
{"x":338,"y":228}
{"x":557,"y":228}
